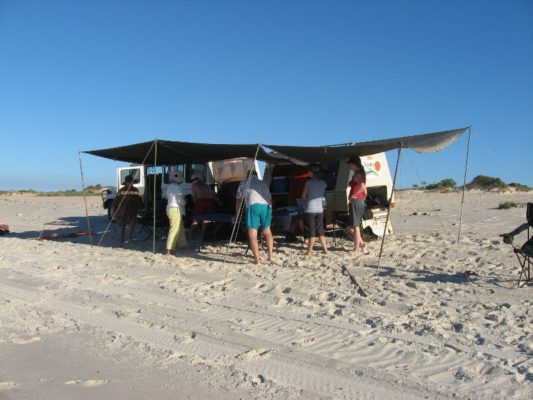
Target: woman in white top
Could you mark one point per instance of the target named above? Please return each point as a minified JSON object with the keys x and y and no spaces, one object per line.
{"x":314,"y":193}
{"x":175,"y":211}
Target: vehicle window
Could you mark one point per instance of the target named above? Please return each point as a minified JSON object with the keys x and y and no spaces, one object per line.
{"x":134,"y":172}
{"x":196,"y":169}
{"x":154,"y":170}
{"x":173,"y":168}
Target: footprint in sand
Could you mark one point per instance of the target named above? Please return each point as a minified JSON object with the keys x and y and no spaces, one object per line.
{"x":87,"y":383}
{"x":8,"y":386}
{"x":256,"y":354}
{"x":26,"y":341}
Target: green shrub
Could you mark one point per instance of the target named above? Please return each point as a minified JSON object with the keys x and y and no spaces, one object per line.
{"x":519,"y":187}
{"x":507,"y":204}
{"x":444,"y":184}
{"x":483,"y":182}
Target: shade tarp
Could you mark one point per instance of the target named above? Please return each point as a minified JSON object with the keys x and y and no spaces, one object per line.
{"x":173,"y":152}
{"x":426,"y":143}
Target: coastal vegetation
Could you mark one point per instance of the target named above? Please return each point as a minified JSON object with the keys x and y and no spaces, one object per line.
{"x":92,"y":190}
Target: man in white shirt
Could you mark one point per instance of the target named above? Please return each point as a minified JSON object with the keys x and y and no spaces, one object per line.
{"x":258,"y":201}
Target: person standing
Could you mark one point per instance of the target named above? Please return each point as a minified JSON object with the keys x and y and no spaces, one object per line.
{"x":126,"y":207}
{"x":314,"y":192}
{"x":204,"y":199}
{"x":203,"y":196}
{"x":258,"y":202}
{"x":175,"y":212}
{"x":356,"y":200}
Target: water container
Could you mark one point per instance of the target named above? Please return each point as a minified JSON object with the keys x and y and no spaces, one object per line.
{"x":280,"y":184}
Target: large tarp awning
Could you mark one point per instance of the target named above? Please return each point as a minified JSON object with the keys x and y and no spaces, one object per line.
{"x":426,"y":143}
{"x":173,"y":152}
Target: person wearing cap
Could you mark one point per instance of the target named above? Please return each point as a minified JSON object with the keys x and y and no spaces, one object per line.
{"x":314,"y":193}
{"x":126,"y":207}
{"x":175,"y":212}
{"x":356,"y":200}
{"x":258,"y":202}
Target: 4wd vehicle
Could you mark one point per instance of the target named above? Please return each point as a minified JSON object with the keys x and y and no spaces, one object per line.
{"x":214,"y":173}
{"x":286,"y":182}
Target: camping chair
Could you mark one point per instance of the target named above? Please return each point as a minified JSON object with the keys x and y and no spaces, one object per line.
{"x":524,"y":254}
{"x":145,"y":219}
{"x":339,"y":231}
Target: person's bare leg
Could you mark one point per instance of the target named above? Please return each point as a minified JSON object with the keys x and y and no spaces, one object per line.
{"x":310,"y":245}
{"x":357,"y":238}
{"x":122,"y":232}
{"x":252,"y":240}
{"x":350,"y":231}
{"x":322,"y":240}
{"x":269,"y":241}
{"x":301,"y":224}
{"x":131,"y":226}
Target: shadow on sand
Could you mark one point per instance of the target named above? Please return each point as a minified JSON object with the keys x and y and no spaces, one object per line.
{"x":75,"y":230}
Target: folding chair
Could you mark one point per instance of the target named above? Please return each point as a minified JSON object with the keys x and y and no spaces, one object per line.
{"x":145,"y":219}
{"x":524,"y":254}
{"x":340,"y":233}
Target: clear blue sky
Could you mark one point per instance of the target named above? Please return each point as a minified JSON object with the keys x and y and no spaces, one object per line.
{"x":94,"y":74}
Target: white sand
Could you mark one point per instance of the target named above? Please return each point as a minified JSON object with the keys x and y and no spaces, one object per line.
{"x":83,"y":322}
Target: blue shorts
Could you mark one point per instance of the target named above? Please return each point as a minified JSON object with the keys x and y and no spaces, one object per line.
{"x":259,"y":216}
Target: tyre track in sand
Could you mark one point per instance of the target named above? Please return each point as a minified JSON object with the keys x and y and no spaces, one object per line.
{"x":303,"y":339}
{"x":283,"y":365}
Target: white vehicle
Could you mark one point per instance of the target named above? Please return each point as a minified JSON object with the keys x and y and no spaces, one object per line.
{"x":286,"y":181}
{"x":214,"y":173}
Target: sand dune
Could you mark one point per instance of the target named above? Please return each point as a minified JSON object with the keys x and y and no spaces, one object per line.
{"x":106,"y":322}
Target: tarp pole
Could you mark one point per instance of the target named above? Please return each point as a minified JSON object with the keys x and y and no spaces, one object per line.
{"x":121,"y":201}
{"x":238,"y":217}
{"x":389,"y":207}
{"x":154,"y":199}
{"x":464,"y":184}
{"x":85,"y":200}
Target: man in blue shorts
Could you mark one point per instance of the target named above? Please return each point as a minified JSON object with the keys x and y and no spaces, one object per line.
{"x":258,"y":201}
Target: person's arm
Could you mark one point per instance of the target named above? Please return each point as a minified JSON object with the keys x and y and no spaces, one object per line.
{"x":305,"y":192}
{"x":239,"y":199}
{"x":238,"y":205}
{"x":362,"y":188}
{"x":268,"y":195}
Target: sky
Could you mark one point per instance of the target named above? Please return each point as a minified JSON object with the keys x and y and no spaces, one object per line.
{"x":83,"y":75}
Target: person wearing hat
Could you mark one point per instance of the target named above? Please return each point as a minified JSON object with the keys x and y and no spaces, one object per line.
{"x":356,"y":200}
{"x":175,"y":212}
{"x":126,"y":207}
{"x":314,"y":193}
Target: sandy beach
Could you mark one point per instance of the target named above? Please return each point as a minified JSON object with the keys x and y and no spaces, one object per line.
{"x":110,"y":322}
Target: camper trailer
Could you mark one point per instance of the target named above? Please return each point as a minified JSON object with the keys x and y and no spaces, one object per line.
{"x":286,"y":183}
{"x":216,"y":173}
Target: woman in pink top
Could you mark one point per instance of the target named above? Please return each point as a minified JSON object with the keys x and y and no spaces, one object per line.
{"x":356,"y":200}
